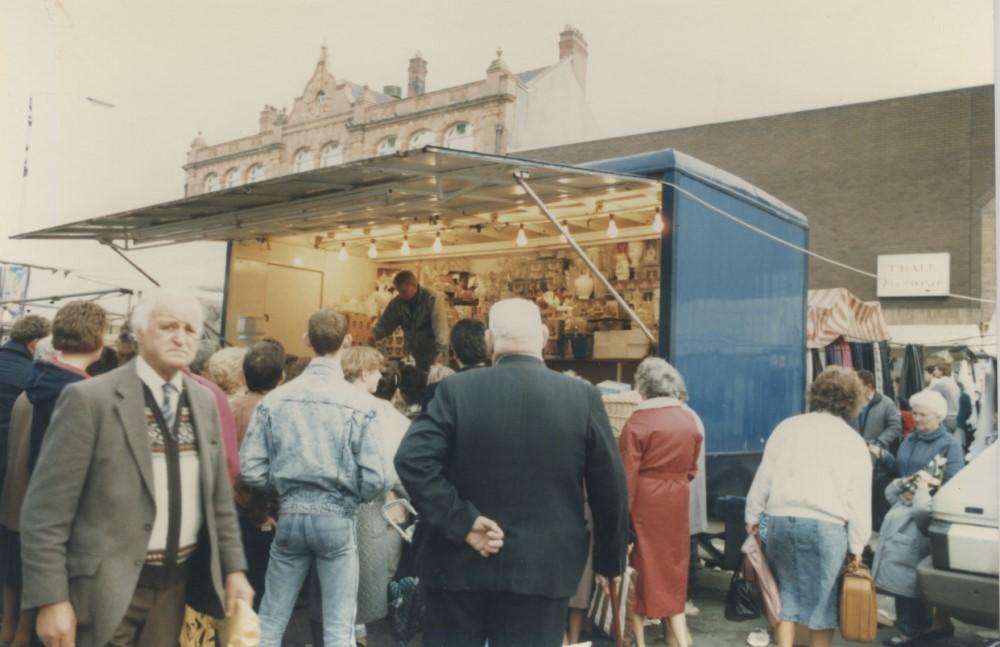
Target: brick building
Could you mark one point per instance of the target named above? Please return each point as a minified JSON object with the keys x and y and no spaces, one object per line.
{"x":336,"y":121}
{"x":907,"y":175}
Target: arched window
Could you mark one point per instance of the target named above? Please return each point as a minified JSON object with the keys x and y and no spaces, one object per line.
{"x":255,"y":173}
{"x":420,"y":139}
{"x":387,"y":146}
{"x":303,"y":160}
{"x":459,"y":136}
{"x":211,"y":182}
{"x":321,"y":100}
{"x":232,"y":178}
{"x":332,"y":154}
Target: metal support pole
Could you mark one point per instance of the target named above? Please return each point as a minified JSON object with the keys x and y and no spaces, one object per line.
{"x":62,"y":297}
{"x":128,"y":260}
{"x":520,"y":177}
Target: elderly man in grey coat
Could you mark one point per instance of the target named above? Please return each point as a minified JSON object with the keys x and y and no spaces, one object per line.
{"x":129,"y":513}
{"x":880,"y":425}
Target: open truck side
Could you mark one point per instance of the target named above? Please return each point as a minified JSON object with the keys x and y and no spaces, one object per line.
{"x":731,"y":286}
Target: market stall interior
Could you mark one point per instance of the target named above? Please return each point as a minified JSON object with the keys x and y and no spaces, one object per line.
{"x":476,"y":228}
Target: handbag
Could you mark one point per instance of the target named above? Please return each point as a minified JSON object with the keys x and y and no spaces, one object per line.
{"x":858,"y":605}
{"x":743,"y":597}
{"x":407,"y":598}
{"x":610,"y":611}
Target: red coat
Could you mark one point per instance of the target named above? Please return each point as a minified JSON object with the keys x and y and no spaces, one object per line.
{"x":660,"y":448}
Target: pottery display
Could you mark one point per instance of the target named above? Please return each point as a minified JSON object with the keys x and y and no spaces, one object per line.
{"x":583,"y":286}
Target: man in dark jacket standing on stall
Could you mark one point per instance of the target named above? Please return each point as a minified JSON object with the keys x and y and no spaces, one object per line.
{"x":16,"y":359}
{"x":423,"y":316}
{"x":497,"y":467}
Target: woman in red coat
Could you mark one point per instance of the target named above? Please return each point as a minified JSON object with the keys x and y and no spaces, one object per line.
{"x":659,"y":446}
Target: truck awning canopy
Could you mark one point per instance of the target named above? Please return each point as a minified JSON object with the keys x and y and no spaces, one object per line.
{"x":359,"y":200}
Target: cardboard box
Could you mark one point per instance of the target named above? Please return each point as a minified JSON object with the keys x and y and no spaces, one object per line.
{"x":620,"y":344}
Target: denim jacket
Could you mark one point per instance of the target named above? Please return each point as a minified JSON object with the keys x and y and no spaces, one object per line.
{"x":314,"y":442}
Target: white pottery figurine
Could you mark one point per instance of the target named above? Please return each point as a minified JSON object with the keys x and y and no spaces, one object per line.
{"x":584,"y":286}
{"x":621,"y":267}
{"x":635,"y":249}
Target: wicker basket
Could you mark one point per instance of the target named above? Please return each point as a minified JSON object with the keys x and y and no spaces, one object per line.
{"x":620,"y":408}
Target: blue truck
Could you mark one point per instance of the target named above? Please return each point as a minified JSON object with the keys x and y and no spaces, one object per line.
{"x":733,"y":275}
{"x":732,"y":307}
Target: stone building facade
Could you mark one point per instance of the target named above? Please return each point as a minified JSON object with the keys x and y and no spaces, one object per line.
{"x":336,"y":121}
{"x":907,"y":175}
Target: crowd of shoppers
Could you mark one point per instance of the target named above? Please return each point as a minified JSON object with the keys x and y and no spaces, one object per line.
{"x":167,"y":471}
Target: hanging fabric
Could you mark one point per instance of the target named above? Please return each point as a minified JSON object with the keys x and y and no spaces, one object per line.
{"x":868,"y":356}
{"x":845,"y":350}
{"x":877,"y":366}
{"x":885,"y":362}
{"x":912,"y":380}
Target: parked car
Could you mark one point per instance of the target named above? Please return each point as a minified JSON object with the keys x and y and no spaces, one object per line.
{"x":961,"y":574}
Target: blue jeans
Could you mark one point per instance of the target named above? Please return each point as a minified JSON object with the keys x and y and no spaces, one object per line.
{"x":299,"y":540}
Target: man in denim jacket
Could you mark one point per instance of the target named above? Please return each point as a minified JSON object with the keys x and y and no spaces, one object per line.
{"x":312,"y":440}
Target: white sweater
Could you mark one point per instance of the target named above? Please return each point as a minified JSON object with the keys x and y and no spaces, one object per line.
{"x":815,"y":466}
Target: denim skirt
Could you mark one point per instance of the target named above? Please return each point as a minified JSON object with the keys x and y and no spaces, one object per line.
{"x":806,"y":557}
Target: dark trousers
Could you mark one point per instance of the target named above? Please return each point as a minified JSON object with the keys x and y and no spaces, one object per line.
{"x":913,"y":617}
{"x":155,"y":616}
{"x":470,"y":618}
{"x":257,"y":548}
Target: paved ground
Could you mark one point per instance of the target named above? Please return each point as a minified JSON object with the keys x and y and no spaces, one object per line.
{"x":708,"y":629}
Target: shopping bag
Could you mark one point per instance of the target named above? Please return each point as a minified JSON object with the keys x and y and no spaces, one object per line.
{"x":858,"y":604}
{"x":242,"y":629}
{"x":743,"y":596}
{"x":769,"y":592}
{"x":198,"y":629}
{"x":610,"y":613}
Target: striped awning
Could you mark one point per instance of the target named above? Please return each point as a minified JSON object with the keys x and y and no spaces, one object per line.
{"x":837,"y":313}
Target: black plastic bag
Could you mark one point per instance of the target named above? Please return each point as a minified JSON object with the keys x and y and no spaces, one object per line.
{"x":743,"y":597}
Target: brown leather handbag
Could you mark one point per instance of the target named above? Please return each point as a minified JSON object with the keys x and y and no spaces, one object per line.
{"x":858,"y":604}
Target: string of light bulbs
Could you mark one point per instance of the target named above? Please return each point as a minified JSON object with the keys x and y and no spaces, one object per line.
{"x":657,"y":227}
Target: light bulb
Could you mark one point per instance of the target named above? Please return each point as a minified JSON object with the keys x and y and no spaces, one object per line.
{"x":522,"y":238}
{"x":562,"y":234}
{"x":404,"y":249}
{"x":437,"y":246}
{"x":657,"y":225}
{"x":612,"y":227}
{"x":342,"y":254}
{"x":372,"y":250}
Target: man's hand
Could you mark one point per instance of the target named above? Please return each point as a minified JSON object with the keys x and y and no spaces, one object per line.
{"x":753,"y":530}
{"x":875,"y":450}
{"x":485,"y":537}
{"x":237,"y":588}
{"x":56,"y":625}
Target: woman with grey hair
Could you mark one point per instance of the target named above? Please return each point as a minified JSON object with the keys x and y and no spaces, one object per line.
{"x":660,"y":445}
{"x":903,"y":541}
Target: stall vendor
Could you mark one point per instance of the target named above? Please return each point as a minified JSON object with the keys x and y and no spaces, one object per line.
{"x":423,"y":316}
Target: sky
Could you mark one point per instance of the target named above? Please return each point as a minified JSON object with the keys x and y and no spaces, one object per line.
{"x":172,"y":69}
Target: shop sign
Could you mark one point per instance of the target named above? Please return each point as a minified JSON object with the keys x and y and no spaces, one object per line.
{"x":914,"y":275}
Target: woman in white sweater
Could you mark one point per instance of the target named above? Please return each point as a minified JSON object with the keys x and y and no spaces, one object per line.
{"x":814,"y":484}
